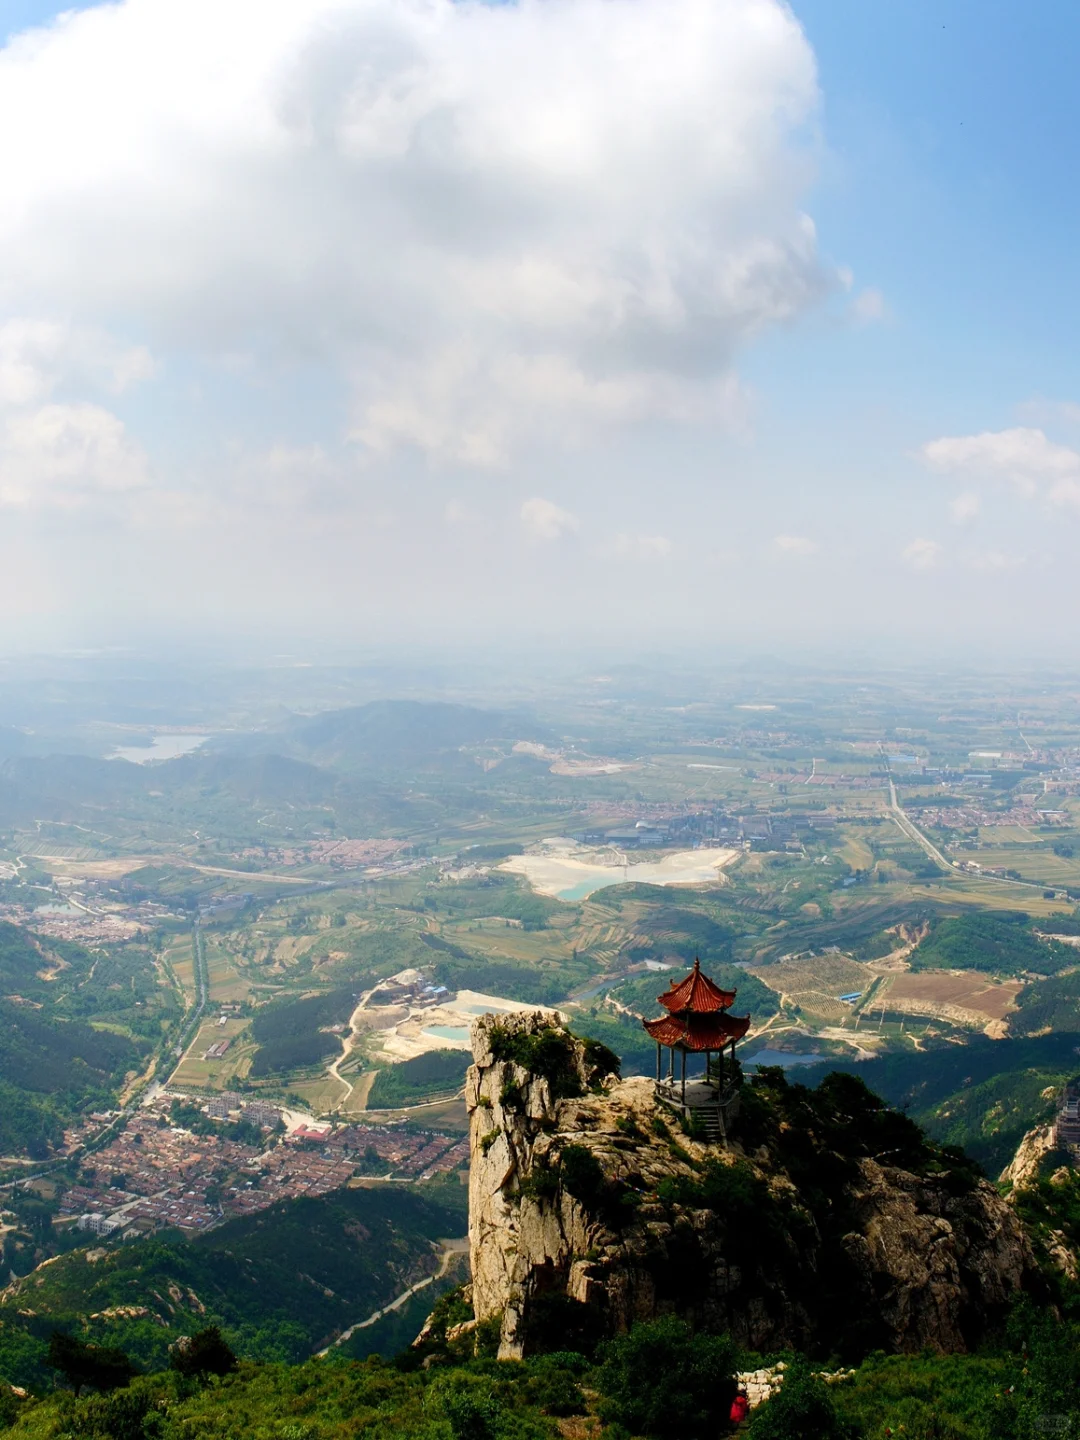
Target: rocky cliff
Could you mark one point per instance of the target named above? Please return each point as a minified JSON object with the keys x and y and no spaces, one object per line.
{"x":829,"y":1224}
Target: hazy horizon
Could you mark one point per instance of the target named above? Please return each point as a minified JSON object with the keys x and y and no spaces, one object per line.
{"x":638,"y":324}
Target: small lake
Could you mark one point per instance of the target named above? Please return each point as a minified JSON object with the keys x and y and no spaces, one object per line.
{"x":784,"y":1058}
{"x":459,"y":1034}
{"x":164,"y":747}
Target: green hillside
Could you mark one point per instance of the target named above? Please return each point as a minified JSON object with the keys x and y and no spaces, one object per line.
{"x":281,"y":1283}
{"x":983,"y":1096}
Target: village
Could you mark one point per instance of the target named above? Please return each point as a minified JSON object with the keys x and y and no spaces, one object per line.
{"x":193,"y":1175}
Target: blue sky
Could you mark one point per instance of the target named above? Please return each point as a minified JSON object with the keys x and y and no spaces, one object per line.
{"x":887,"y":445}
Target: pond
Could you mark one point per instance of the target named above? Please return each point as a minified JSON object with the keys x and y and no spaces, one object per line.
{"x":459,"y":1034}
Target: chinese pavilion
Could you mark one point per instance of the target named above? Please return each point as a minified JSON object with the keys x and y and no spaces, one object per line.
{"x":697,"y":1023}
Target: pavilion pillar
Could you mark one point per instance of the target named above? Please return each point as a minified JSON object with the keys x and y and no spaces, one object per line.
{"x":684,"y":1077}
{"x":658,"y":1062}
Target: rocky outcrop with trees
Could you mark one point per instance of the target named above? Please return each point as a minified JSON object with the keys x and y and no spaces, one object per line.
{"x":830,"y":1224}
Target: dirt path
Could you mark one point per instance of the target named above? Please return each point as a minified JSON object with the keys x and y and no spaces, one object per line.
{"x":349,"y":1042}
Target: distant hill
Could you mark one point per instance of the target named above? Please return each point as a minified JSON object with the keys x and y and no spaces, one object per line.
{"x":392,"y":734}
{"x":982,"y":1096}
{"x":215,"y":786}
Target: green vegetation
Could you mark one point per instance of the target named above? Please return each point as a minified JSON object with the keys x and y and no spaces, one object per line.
{"x":981,"y":1096}
{"x":73,"y":1025}
{"x":660,"y":1382}
{"x":549,"y":1053}
{"x":622,"y":1034}
{"x":279,"y":1284}
{"x":439,"y":1072}
{"x":804,"y":1408}
{"x":98,"y":1367}
{"x":496,"y":977}
{"x":1001,"y":944}
{"x":1049,"y":1005}
{"x":690,"y":1380}
{"x":292,"y":1034}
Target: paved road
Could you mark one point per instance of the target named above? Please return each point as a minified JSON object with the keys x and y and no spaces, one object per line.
{"x":450,"y":1249}
{"x":950,"y":866}
{"x":914,"y":833}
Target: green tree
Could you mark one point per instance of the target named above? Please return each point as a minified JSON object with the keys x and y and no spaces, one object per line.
{"x":662,"y":1380}
{"x":470,"y":1404}
{"x":204,"y":1353}
{"x":83,"y":1365}
{"x":802,"y":1409}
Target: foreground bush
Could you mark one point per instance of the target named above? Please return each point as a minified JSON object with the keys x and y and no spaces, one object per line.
{"x":662,"y":1380}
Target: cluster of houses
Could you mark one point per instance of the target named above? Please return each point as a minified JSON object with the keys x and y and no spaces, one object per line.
{"x":155,"y":1174}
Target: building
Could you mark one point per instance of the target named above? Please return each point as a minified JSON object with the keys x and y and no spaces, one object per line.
{"x":698,"y":1023}
{"x":99,"y":1224}
{"x":260,"y":1112}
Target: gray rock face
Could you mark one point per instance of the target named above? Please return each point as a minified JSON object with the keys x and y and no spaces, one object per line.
{"x":920,"y":1268}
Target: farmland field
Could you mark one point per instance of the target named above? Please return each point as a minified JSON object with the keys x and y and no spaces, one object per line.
{"x":965,"y":996}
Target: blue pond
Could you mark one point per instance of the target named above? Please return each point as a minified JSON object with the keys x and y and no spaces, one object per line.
{"x":448,"y":1032}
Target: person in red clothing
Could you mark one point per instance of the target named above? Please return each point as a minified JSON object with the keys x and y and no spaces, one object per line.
{"x":740,"y":1408}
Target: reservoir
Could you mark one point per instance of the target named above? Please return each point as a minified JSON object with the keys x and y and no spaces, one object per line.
{"x":164,"y":747}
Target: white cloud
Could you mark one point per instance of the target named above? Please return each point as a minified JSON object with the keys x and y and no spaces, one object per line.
{"x":922,"y":554}
{"x":965,"y":507}
{"x":1023,"y":456}
{"x":643,"y":547}
{"x":491,"y":218}
{"x":1065,"y":493}
{"x":795,"y":544}
{"x":546,"y":521}
{"x":995,"y":561}
{"x":65,"y":455}
{"x":868,"y":307}
{"x":37,"y":355}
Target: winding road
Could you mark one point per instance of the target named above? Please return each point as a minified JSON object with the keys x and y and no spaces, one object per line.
{"x":451,"y":1248}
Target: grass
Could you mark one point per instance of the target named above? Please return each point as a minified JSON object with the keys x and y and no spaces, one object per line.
{"x":199,"y":1074}
{"x":1037,"y":864}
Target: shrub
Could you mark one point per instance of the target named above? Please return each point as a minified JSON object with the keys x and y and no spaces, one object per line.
{"x":470,"y":1404}
{"x":82,"y":1365}
{"x":202,"y":1354}
{"x":553,"y":1385}
{"x":548,"y":1052}
{"x":583,"y":1176}
{"x":664,"y":1381}
{"x":542,"y":1181}
{"x":600,"y":1062}
{"x":802,"y":1409}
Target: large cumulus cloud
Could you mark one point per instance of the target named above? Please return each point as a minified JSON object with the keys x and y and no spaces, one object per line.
{"x":485,"y":217}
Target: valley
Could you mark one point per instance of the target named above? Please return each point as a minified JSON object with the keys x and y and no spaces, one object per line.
{"x":250,"y":989}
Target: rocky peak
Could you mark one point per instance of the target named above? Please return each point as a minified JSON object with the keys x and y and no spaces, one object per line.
{"x":827,"y":1224}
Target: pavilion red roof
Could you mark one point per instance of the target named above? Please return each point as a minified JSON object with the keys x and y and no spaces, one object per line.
{"x":696,"y":1032}
{"x":696,"y":993}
